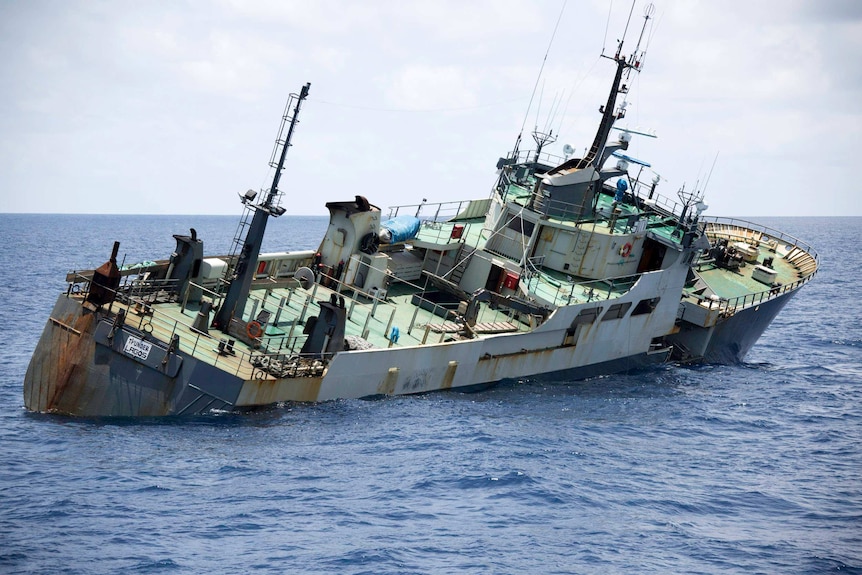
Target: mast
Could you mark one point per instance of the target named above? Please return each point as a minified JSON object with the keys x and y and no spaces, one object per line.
{"x":239,"y":282}
{"x":541,"y":138}
{"x":609,"y":115}
{"x":609,"y":112}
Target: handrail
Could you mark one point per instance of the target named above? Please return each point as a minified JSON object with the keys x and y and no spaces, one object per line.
{"x":660,"y":202}
{"x":442,"y":211}
{"x":546,"y":158}
{"x":532,"y":264}
{"x":123,"y":297}
{"x":657,"y":201}
{"x":771,"y":232}
{"x":591,"y":288}
{"x":562,"y":210}
{"x":440,"y":231}
{"x":284,"y":361}
{"x":729,"y":306}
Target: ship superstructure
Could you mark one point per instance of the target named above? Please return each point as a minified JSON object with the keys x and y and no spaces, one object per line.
{"x":571,"y":268}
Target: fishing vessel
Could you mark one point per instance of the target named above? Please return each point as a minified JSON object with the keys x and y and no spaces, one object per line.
{"x":571,"y":268}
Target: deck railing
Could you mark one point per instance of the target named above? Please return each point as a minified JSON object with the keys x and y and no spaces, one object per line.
{"x":728,"y":307}
{"x":278,"y":355}
{"x":190,"y":340}
{"x":442,"y":211}
{"x":441,"y":232}
{"x":734,"y":228}
{"x":589,"y":290}
{"x":769,"y":233}
{"x":529,"y":156}
{"x":658,"y":202}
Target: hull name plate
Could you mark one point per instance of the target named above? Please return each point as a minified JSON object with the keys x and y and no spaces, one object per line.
{"x":137,"y":348}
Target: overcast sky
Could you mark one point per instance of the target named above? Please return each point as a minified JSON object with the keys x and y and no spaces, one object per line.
{"x":172,"y":107}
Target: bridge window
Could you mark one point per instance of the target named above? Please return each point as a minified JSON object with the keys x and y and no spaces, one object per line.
{"x":646,"y":306}
{"x":587,"y":315}
{"x":617,"y":310}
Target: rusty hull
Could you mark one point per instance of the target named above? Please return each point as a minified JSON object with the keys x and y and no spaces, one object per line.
{"x":74,"y":372}
{"x":65,"y":375}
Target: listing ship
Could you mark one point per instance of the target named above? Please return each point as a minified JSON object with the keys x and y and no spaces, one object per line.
{"x":572,"y":268}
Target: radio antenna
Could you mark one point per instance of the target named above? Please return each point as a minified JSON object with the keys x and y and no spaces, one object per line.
{"x":626,"y":30}
{"x":649,"y":10}
{"x":709,"y":175}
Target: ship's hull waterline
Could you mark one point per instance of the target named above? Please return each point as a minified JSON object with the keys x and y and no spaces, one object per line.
{"x":572,"y":268}
{"x":104,"y":378}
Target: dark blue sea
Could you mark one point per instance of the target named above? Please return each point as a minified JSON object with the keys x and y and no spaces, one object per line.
{"x":753,"y":468}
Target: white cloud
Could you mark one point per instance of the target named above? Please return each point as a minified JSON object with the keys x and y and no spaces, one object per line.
{"x":179,"y":102}
{"x":237,"y":64}
{"x":432,"y":88}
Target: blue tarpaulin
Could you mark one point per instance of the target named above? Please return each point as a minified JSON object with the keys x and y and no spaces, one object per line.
{"x":399,"y":229}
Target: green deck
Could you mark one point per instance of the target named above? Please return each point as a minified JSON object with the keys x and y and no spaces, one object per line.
{"x":373,"y":319}
{"x":563,"y":289}
{"x":793,"y":263}
{"x":369,"y":319}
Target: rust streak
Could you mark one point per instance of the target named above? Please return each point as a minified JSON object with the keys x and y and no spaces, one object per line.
{"x":72,"y":354}
{"x":449,"y":376}
{"x":59,"y":323}
{"x":488,"y":356}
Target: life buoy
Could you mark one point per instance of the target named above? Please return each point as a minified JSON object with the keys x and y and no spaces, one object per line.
{"x":626,"y":250}
{"x":253,"y":330}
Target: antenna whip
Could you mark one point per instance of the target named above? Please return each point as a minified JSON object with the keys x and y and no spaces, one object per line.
{"x":545,"y":59}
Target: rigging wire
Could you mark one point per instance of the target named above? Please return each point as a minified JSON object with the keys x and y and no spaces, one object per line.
{"x":415,"y":110}
{"x":539,"y":105}
{"x":575,"y":88}
{"x":703,"y":192}
{"x":555,"y":109}
{"x":542,"y":68}
{"x":499,"y":232}
{"x":653,"y":28}
{"x":636,"y":88}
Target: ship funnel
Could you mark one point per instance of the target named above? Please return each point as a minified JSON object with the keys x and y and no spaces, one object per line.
{"x":186,"y":264}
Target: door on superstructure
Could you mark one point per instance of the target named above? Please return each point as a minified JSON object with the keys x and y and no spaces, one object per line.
{"x":651,"y":256}
{"x":495,"y":278}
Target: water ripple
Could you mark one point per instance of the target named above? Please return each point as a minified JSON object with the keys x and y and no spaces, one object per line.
{"x":752,"y":468}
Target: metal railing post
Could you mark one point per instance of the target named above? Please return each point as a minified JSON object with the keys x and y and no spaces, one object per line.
{"x":413,"y":319}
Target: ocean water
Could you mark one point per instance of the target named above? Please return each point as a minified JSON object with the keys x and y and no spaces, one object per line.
{"x":754,"y":468}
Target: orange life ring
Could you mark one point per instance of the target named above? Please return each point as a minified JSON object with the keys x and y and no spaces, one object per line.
{"x":253,"y":330}
{"x":626,"y":250}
